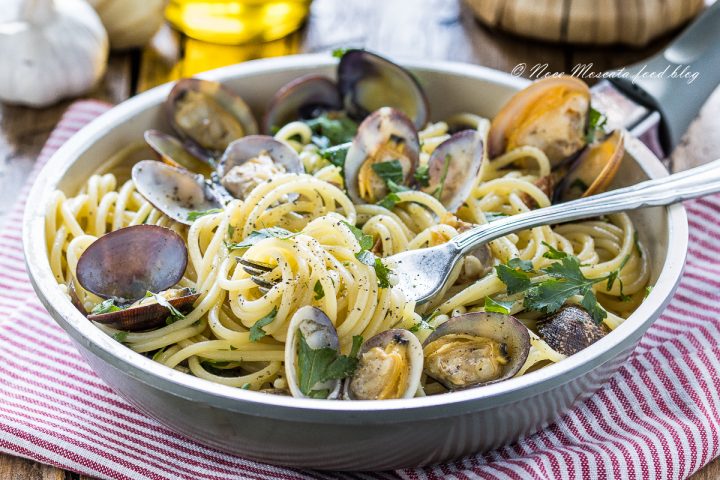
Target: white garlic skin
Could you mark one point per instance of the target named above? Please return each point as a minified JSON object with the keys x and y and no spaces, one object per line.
{"x":54,"y":50}
{"x":130,"y":23}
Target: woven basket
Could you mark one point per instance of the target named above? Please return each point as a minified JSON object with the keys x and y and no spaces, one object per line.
{"x":600,"y":22}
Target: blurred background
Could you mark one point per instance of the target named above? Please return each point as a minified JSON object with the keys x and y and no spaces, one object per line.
{"x":55,"y":51}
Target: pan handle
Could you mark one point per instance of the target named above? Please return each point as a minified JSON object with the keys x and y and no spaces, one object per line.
{"x":678,"y":98}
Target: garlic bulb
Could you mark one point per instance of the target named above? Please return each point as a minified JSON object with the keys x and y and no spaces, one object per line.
{"x":52,"y":50}
{"x":130,"y":23}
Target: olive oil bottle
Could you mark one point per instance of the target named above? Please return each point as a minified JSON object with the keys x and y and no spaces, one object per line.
{"x":235,"y":22}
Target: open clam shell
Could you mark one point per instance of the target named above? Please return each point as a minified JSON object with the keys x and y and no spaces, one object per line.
{"x":253,"y":146}
{"x":147,"y":315}
{"x":301,"y":98}
{"x":311,"y":325}
{"x":550,"y":114}
{"x":476,"y":349}
{"x":453,"y":168}
{"x":208,"y":114}
{"x":595,"y":169}
{"x":127,"y":263}
{"x":385,"y":135}
{"x":570,"y":330}
{"x":390,"y":366}
{"x":174,"y":191}
{"x":367,"y":82}
{"x":173,"y":152}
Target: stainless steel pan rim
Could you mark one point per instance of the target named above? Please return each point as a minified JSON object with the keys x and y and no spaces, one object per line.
{"x":318,"y":411}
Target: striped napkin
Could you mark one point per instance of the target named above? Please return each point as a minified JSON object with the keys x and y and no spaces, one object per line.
{"x":658,"y":418}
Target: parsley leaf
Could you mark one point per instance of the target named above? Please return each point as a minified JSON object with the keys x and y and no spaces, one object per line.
{"x":105,"y":307}
{"x":424,"y":322}
{"x":336,"y":155}
{"x":382,"y":272}
{"x":256,"y":331}
{"x":422,"y":175}
{"x":316,"y":366}
{"x":520,"y":264}
{"x":257,"y":235}
{"x":340,"y":52}
{"x":335,"y":128}
{"x":365,"y":241}
{"x":318,"y":289}
{"x":120,"y":336}
{"x":553,"y":253}
{"x":245,"y":386}
{"x":390,"y":200}
{"x":596,"y":125}
{"x":175,"y":314}
{"x":390,"y":171}
{"x":516,"y":281}
{"x":194,"y":215}
{"x":498,"y":306}
{"x":446,"y":166}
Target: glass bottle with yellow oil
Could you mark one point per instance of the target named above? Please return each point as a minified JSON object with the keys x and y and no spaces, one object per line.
{"x":235,"y":22}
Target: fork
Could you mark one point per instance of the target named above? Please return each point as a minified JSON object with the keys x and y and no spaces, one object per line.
{"x":421,"y":274}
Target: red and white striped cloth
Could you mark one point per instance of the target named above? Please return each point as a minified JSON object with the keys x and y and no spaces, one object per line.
{"x":658,"y":418}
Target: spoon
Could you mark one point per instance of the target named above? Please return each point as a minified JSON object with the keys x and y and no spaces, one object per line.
{"x":421,"y":274}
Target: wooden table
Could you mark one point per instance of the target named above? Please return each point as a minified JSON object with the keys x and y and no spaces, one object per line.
{"x":427,"y":29}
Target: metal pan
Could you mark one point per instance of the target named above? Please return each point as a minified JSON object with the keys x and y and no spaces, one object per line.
{"x":333,"y":434}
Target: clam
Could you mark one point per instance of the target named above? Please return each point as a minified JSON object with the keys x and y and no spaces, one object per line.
{"x":453,"y":168}
{"x":386,"y":135}
{"x":208,"y":114}
{"x":126,"y":264}
{"x":389,"y":366}
{"x":570,"y":330}
{"x":476,"y":349}
{"x":550,"y":114}
{"x":173,"y":152}
{"x":595,"y":169}
{"x":367,"y":82}
{"x":302,"y":98}
{"x":175,"y":191}
{"x":309,"y":329}
{"x":254,"y":159}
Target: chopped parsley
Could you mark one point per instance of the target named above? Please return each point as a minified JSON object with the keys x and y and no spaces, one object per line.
{"x":257,"y":235}
{"x":492,"y":216}
{"x":107,"y":306}
{"x":336,"y":155}
{"x":245,"y":386}
{"x":316,"y":366}
{"x":567,"y":280}
{"x":120,"y":336}
{"x":368,"y":258}
{"x":175,"y":314}
{"x":498,"y":306}
{"x":365,"y":241}
{"x":390,"y":171}
{"x":194,"y":215}
{"x":331,"y":129}
{"x":318,"y":289}
{"x":340,"y":52}
{"x":390,"y":200}
{"x":424,"y":323}
{"x":256,"y":331}
{"x":422,"y":175}
{"x":596,"y":125}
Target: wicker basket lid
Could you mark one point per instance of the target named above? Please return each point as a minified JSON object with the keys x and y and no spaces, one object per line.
{"x":601,"y":22}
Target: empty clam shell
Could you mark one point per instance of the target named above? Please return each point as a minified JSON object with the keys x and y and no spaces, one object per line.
{"x":476,"y":349}
{"x":367,"y":82}
{"x":147,"y":315}
{"x":173,"y":152}
{"x":174,"y":191}
{"x":129,"y":262}
{"x":389,"y":366}
{"x":301,"y":98}
{"x":453,"y":168}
